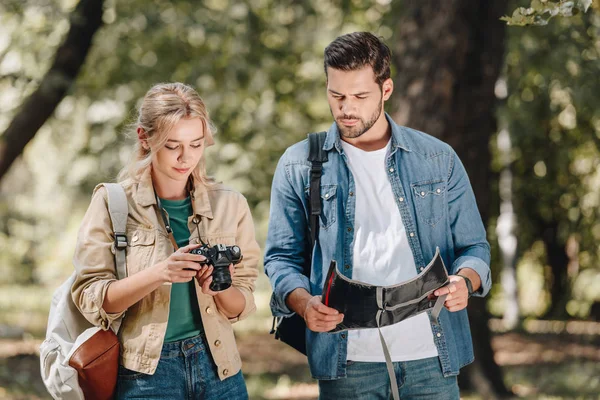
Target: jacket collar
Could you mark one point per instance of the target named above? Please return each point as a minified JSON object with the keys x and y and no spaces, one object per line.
{"x":144,"y":195}
{"x":398,"y":136}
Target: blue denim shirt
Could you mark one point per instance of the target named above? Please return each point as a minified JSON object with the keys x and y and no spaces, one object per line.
{"x":438,"y":209}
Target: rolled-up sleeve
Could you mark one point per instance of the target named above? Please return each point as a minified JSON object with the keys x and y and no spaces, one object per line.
{"x":285,"y":252}
{"x":94,"y":262}
{"x":246,"y":272}
{"x":471,"y":247}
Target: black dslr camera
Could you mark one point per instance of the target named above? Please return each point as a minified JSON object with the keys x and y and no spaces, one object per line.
{"x":220,"y":256}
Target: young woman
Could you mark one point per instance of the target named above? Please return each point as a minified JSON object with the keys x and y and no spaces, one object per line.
{"x":176,"y":337}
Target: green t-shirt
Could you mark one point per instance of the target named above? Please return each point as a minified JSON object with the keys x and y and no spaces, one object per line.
{"x":184,"y":315}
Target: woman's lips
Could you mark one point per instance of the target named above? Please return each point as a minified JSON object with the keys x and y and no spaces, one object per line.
{"x":182,"y":170}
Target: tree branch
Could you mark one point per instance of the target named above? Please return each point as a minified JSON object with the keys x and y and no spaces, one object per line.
{"x":85,"y":20}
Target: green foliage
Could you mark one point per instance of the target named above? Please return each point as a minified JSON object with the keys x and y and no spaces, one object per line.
{"x":540,"y":12}
{"x":256,"y":63}
{"x":553,"y":115}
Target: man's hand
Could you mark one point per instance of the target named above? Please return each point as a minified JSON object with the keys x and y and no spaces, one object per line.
{"x":458,"y":294}
{"x":319,"y":317}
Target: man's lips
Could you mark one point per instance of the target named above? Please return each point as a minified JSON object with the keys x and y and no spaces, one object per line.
{"x":349,"y":122}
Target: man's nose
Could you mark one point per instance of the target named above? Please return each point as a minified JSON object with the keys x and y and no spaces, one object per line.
{"x":346,"y":107}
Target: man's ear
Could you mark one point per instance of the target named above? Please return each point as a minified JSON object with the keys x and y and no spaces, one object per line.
{"x":143,"y":138}
{"x":387,"y":88}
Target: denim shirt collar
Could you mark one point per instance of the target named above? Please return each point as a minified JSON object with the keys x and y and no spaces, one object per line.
{"x":399,"y":139}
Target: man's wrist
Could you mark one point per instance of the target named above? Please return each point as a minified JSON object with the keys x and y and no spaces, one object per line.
{"x":468,"y":283}
{"x":297,"y":301}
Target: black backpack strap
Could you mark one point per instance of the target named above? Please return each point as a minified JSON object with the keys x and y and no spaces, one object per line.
{"x":316,"y":156}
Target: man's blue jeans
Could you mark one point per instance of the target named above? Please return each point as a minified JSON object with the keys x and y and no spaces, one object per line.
{"x":419,"y":379}
{"x":185,"y":371}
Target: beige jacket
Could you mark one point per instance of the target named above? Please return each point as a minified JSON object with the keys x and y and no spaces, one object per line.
{"x":223,"y":217}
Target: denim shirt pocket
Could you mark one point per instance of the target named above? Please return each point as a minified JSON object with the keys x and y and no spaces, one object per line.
{"x":328,"y":204}
{"x":429,"y":200}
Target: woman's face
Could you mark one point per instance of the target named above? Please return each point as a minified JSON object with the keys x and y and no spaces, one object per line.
{"x":176,"y":160}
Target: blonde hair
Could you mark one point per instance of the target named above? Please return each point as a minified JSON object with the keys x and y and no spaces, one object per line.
{"x":163,"y":106}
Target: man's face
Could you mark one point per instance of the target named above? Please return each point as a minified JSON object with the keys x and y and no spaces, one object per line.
{"x":176,"y":160}
{"x":356,"y":100}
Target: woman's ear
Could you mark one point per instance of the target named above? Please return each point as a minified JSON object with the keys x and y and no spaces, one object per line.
{"x":143,"y":138}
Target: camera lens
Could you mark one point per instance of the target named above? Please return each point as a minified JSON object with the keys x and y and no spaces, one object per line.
{"x":221,"y":279}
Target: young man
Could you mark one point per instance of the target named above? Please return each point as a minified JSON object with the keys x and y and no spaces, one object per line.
{"x":390,"y":195}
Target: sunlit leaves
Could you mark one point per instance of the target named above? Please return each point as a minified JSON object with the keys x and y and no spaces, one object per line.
{"x":540,"y":12}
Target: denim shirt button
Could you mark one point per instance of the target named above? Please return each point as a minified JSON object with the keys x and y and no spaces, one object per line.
{"x":401,"y":199}
{"x":349,"y":229}
{"x":347,"y":266}
{"x":351,"y":194}
{"x":412,"y":234}
{"x":438,"y":334}
{"x":343,"y":336}
{"x":421,"y":269}
{"x":391,"y":169}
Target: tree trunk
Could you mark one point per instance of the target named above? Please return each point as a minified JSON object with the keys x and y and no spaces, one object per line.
{"x":558,"y":259}
{"x":70,"y":56}
{"x":448,"y":55}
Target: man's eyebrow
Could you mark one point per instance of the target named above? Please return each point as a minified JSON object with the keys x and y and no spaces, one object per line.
{"x":353,"y":94}
{"x":178,"y":141}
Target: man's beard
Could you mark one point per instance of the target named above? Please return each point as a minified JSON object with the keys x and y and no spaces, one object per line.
{"x":352,"y":132}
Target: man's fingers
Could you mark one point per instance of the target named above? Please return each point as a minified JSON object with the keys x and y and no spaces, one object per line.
{"x":321,"y":318}
{"x":453,"y":303}
{"x":456,"y":308}
{"x":323,"y":309}
{"x":316,"y":327}
{"x":450,"y":288}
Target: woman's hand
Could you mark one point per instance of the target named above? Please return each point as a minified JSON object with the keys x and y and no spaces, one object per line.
{"x":204,"y":276}
{"x":181,"y":266}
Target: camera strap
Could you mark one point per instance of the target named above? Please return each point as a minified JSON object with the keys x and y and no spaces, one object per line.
{"x":165,"y":219}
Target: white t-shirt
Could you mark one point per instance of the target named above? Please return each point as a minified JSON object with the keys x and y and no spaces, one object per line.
{"x":382,"y":256}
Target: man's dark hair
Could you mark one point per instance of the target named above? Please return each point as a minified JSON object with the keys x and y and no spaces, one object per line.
{"x":356,"y":50}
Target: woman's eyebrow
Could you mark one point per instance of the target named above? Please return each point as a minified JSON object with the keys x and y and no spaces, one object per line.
{"x":179,"y":141}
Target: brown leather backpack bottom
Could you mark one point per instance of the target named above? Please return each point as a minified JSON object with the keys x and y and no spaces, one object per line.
{"x":97,"y":364}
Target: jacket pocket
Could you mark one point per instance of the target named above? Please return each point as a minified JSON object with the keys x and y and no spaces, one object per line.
{"x":429,"y":197}
{"x":140,"y":244}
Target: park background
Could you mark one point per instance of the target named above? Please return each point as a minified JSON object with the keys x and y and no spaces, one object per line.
{"x":519,"y":100}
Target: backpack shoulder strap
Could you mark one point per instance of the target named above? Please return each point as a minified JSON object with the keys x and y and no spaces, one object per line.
{"x":317,"y":156}
{"x":118,"y":210}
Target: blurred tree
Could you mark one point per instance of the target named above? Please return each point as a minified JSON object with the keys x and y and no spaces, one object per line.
{"x":448,"y":56}
{"x":553,"y":117}
{"x":70,"y":56}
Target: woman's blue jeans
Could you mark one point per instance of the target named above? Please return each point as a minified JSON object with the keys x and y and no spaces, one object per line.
{"x":185,"y":371}
{"x":417,"y":380}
